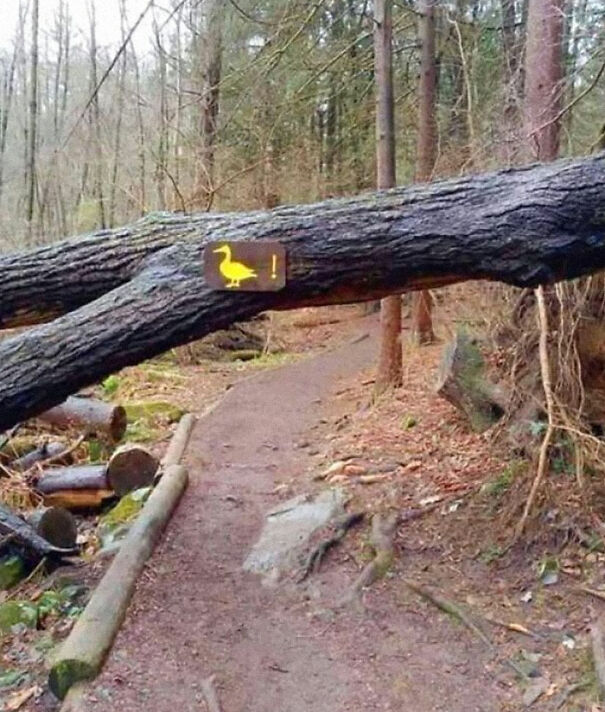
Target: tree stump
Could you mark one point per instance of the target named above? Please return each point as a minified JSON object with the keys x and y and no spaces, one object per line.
{"x":462,"y":382}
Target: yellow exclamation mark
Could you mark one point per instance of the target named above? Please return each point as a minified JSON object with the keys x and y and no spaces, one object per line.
{"x":274,"y":267}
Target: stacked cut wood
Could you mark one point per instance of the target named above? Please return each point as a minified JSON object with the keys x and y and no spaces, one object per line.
{"x":88,"y":486}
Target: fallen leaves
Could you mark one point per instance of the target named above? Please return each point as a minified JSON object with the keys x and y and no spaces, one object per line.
{"x":19,"y":698}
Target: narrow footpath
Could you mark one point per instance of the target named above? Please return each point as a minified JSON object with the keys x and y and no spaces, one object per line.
{"x":280,"y":648}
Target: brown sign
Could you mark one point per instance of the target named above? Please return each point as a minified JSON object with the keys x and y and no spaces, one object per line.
{"x":256,"y":266}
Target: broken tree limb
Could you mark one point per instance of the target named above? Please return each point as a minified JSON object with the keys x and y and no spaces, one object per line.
{"x":83,"y":652}
{"x":118,"y":297}
{"x":90,"y":414}
{"x":44,"y":452}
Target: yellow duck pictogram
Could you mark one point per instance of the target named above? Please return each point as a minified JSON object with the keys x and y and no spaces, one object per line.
{"x":235,"y":272}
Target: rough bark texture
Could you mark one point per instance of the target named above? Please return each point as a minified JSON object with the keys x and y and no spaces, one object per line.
{"x":543,"y":77}
{"x":388,"y":372}
{"x":533,"y":225}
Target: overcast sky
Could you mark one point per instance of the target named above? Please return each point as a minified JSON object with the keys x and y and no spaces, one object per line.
{"x":108,"y":19}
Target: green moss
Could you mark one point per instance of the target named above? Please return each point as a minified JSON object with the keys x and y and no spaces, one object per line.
{"x":17,"y":612}
{"x":149,"y":410}
{"x":66,"y":673}
{"x":12,"y":571}
{"x":145,"y":419}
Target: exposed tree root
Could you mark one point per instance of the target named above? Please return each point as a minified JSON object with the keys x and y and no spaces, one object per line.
{"x":550,"y":409}
{"x":316,"y":556}
{"x":381,"y":538}
{"x":451,"y":608}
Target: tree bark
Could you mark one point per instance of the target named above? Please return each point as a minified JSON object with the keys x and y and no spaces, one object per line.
{"x":146,"y":291}
{"x":422,"y":321}
{"x":388,"y":373}
{"x":543,"y":78}
{"x":93,"y":415}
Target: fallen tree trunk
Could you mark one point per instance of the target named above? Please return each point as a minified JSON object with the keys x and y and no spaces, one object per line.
{"x":93,"y":415}
{"x":138,"y":291}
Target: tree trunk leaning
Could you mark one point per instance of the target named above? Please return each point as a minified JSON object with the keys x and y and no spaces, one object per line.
{"x":533,"y":225}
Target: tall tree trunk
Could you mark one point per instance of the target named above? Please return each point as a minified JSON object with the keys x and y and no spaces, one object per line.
{"x":33,"y":121}
{"x":543,"y":78}
{"x":389,"y":372}
{"x":7,"y":89}
{"x":95,"y":120}
{"x":426,"y":153}
{"x":210,"y":54}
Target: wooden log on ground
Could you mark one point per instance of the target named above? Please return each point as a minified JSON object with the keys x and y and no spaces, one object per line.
{"x":178,"y":442}
{"x":27,"y":538}
{"x":88,"y":413}
{"x":83,"y":652}
{"x":137,"y":291}
{"x":130,"y":467}
{"x":46,"y":450}
{"x":462,"y":381}
{"x":76,"y":477}
{"x":56,"y":525}
{"x":77,"y":500}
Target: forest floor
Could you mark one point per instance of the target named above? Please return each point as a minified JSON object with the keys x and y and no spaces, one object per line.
{"x":268,"y":431}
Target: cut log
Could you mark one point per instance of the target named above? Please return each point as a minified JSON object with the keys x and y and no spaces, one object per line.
{"x":131,"y":467}
{"x":27,"y":538}
{"x":131,"y":293}
{"x":78,"y":477}
{"x":462,"y":382}
{"x":90,"y":414}
{"x":83,"y":652}
{"x":76,"y":500}
{"x":52,"y":449}
{"x":56,"y":525}
{"x":178,"y":442}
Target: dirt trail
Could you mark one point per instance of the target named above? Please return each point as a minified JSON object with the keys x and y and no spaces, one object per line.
{"x":197,"y":613}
